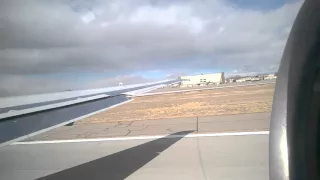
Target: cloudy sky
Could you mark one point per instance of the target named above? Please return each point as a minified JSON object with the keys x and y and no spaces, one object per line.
{"x":57,"y":45}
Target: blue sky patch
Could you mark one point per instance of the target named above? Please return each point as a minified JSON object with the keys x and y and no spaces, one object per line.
{"x":264,"y":5}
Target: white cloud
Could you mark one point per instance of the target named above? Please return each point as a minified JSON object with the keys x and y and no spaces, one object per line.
{"x":221,"y":29}
{"x":24,"y":85}
{"x":168,"y":16}
{"x":88,"y":17}
{"x":124,"y":36}
{"x":114,"y":81}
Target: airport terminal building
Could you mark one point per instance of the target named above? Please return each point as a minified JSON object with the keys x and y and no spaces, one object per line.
{"x":201,"y":80}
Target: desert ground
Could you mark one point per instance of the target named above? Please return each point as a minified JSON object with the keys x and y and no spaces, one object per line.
{"x":226,"y":101}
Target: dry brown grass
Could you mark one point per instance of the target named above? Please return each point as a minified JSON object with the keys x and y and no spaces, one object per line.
{"x":237,"y":100}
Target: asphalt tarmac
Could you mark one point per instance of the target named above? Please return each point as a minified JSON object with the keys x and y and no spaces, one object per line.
{"x":209,"y":124}
{"x":217,"y":147}
{"x":170,"y":157}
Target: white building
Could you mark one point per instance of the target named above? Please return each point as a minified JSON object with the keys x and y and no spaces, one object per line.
{"x":242,"y":80}
{"x":248,"y":79}
{"x":203,"y":79}
{"x":231,"y":80}
{"x":270,"y":76}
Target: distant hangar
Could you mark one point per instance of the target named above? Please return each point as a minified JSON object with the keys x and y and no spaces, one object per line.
{"x":202,"y":79}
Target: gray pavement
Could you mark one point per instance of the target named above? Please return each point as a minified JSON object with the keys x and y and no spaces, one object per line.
{"x":212,"y":124}
{"x":237,"y":157}
{"x":33,"y":161}
{"x":227,"y":157}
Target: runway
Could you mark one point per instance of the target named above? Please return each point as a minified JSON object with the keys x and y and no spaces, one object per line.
{"x":208,"y":124}
{"x":213,"y":147}
{"x":177,"y":157}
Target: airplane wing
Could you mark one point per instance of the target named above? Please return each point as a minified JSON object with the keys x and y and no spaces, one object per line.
{"x":25,"y":116}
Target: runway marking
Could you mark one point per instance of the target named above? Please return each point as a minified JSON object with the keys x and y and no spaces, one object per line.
{"x":144,"y":137}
